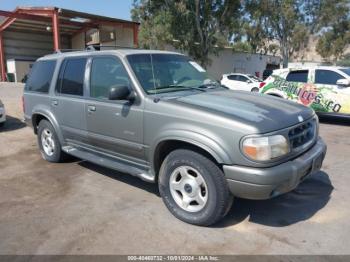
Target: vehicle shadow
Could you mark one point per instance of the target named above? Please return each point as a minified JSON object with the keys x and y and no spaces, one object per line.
{"x":12,"y":123}
{"x":298,"y":205}
{"x":333,"y":120}
{"x":125,"y":178}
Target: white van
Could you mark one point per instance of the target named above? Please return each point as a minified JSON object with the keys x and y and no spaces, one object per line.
{"x":325,"y":89}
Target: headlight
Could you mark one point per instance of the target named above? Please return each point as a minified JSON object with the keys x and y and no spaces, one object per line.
{"x":265,"y":148}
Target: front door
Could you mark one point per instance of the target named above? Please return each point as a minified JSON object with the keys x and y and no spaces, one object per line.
{"x":331,"y":98}
{"x":114,"y":127}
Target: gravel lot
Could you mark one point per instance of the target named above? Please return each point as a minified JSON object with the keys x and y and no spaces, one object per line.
{"x":81,"y":208}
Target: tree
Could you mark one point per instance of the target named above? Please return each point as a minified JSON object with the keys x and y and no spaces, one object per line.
{"x":281,"y":22}
{"x":334,"y":28}
{"x":198,"y":27}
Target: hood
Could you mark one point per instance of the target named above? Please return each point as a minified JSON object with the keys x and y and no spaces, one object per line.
{"x":264,"y":113}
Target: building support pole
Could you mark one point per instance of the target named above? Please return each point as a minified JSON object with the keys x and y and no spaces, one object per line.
{"x":136,"y":33}
{"x":2,"y":58}
{"x":56,"y":31}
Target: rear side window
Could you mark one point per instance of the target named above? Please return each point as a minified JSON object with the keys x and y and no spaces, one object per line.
{"x":40,"y":77}
{"x":298,"y":76}
{"x":327,"y":77}
{"x":71,"y":77}
{"x":232,"y":77}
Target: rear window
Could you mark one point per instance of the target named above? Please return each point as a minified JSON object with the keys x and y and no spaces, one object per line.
{"x":232,"y":77}
{"x":71,"y":77}
{"x":40,"y":77}
{"x":298,"y":76}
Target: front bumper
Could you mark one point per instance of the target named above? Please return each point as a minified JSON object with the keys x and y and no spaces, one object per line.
{"x":264,"y":183}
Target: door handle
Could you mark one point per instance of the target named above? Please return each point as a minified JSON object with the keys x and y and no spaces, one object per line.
{"x":91,"y":108}
{"x":54,"y":102}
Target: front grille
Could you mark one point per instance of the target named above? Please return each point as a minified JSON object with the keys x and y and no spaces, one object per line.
{"x":302,"y":134}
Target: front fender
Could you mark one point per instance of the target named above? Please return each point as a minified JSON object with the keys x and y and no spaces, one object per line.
{"x":204,"y":142}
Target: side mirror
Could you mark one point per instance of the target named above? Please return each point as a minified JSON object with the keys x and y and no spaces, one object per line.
{"x":249,"y":81}
{"x":120,"y":93}
{"x":343,"y":82}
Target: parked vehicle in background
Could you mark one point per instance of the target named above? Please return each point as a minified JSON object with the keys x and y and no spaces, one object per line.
{"x":325,"y":89}
{"x":159,"y":116}
{"x":244,"y":82}
{"x":2,"y":114}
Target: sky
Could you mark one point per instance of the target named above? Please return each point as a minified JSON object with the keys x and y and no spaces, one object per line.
{"x":112,"y":8}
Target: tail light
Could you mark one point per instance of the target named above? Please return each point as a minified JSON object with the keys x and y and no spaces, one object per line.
{"x":261,"y":85}
{"x":23,"y":108}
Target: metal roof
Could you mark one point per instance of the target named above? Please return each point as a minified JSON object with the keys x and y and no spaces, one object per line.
{"x":34,"y":20}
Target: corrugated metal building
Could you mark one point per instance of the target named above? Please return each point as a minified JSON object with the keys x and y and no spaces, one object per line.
{"x":28,"y":33}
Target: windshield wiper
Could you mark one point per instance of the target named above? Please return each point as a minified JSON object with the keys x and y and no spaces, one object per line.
{"x":178,"y":88}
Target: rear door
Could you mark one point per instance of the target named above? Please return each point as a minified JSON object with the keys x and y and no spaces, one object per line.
{"x":68,"y":104}
{"x":115,"y":127}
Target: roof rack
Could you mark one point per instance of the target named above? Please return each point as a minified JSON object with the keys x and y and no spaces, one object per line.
{"x":95,"y":48}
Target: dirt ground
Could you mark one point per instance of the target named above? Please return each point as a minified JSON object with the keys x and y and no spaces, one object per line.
{"x":81,"y":208}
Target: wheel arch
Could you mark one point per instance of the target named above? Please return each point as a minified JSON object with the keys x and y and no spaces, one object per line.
{"x":39,"y":115}
{"x":167,"y":145}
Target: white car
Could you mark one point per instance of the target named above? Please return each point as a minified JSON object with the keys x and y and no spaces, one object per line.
{"x":237,"y":81}
{"x":2,"y":114}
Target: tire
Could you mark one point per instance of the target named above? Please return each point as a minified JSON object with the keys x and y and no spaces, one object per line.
{"x":255,"y":89}
{"x":56,"y":155}
{"x":177,"y":174}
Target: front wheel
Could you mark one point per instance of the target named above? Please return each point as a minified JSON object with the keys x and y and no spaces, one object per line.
{"x":194,"y":188}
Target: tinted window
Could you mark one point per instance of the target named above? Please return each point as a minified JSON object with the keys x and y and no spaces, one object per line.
{"x":105,"y":73}
{"x":71,"y":78}
{"x":327,"y":77}
{"x":298,"y":76}
{"x":232,"y":77}
{"x":242,"y":78}
{"x":41,"y":76}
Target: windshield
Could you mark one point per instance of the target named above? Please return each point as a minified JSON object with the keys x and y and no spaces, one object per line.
{"x":346,"y":71}
{"x":162,"y":73}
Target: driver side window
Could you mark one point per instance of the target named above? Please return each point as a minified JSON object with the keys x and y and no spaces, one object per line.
{"x":105,"y":73}
{"x":327,"y":77}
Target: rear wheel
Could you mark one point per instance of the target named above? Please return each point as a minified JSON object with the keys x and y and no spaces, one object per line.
{"x":49,"y":144}
{"x":194,"y":188}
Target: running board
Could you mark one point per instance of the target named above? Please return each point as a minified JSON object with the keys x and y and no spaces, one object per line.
{"x":109,"y":162}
